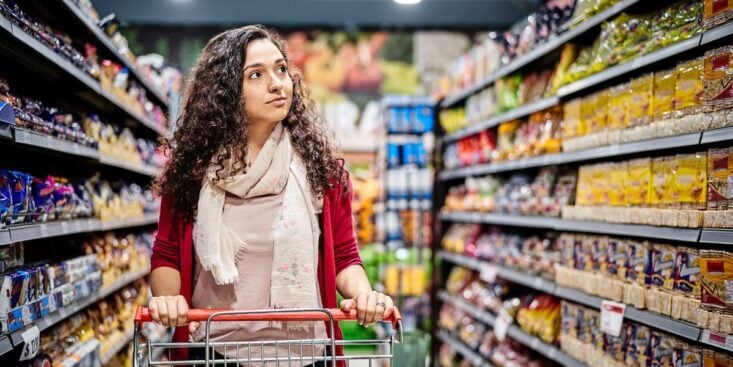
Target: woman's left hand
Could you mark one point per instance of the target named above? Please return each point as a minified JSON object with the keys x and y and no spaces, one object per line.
{"x":371,"y":307}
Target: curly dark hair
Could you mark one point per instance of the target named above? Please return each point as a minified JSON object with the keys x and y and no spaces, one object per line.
{"x":213,"y":120}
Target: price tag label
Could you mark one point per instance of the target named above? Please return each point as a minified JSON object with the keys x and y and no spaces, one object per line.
{"x":721,"y":340}
{"x":489,"y":273}
{"x":612,"y":317}
{"x":501,"y":325}
{"x":31,"y":343}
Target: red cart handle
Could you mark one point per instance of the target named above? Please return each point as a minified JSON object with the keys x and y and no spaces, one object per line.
{"x":201,"y":315}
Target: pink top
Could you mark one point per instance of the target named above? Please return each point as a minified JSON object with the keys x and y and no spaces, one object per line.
{"x":254,"y":221}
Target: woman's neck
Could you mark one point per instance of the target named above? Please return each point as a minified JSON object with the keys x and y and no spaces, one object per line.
{"x":258,"y":134}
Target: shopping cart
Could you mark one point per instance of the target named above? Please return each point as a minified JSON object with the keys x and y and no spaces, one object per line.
{"x":233,"y":353}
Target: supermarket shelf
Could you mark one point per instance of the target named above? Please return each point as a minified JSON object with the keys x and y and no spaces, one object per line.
{"x":717,"y":340}
{"x":717,"y":33}
{"x":629,"y":66}
{"x":462,"y":349}
{"x":514,"y":332}
{"x":48,"y":142}
{"x":113,"y":350}
{"x":63,"y":228}
{"x":66,"y":67}
{"x":141,"y":169}
{"x":107,"y":42}
{"x":717,"y":135}
{"x":679,"y":328}
{"x":514,"y":114}
{"x":635,"y":230}
{"x":717,"y":236}
{"x":5,"y":237}
{"x":615,"y":150}
{"x":63,"y":313}
{"x":539,"y":51}
{"x":6,"y":132}
{"x":657,"y":321}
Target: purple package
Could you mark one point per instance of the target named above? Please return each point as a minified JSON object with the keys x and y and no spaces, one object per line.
{"x":42,"y":190}
{"x":22,"y":207}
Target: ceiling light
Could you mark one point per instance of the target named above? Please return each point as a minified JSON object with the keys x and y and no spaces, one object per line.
{"x":407,"y":2}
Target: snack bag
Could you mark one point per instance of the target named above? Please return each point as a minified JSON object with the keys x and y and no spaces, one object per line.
{"x":639,"y":182}
{"x":618,"y":104}
{"x":571,"y":123}
{"x":663,"y":265}
{"x":716,"y":278}
{"x":662,"y":176}
{"x":617,"y":256}
{"x":686,"y":355}
{"x":718,"y":78}
{"x":6,"y":202}
{"x":638,"y":264}
{"x":638,"y":348}
{"x":688,"y":94}
{"x":20,"y":197}
{"x":42,"y":190}
{"x":720,"y":178}
{"x":687,"y":271}
{"x":688,"y":188}
{"x":616,"y":186}
{"x":664,"y":94}
{"x":640,"y":103}
{"x":599,"y":119}
{"x":662,"y":348}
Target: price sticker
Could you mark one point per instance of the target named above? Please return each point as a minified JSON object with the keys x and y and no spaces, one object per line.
{"x":31,"y":343}
{"x":501,"y":325}
{"x":721,"y":340}
{"x":489,"y":273}
{"x":612,"y":317}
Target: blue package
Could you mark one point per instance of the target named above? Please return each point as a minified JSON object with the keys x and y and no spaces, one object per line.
{"x":21,"y":207}
{"x":393,"y":155}
{"x":42,"y":192}
{"x":403,"y":119}
{"x":392,"y":120}
{"x":420,"y":155}
{"x":44,"y":308}
{"x":424,"y":118}
{"x":408,"y":156}
{"x":5,"y":198}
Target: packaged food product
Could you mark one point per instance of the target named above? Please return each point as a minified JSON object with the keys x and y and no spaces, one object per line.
{"x":688,"y":96}
{"x":662,"y":176}
{"x":6,"y":202}
{"x":571,"y":124}
{"x":716,"y":272}
{"x":640,"y":103}
{"x":717,"y":12}
{"x":689,"y":185}
{"x":639,"y":263}
{"x":599,"y":111}
{"x":618,"y":175}
{"x":617,"y":256}
{"x":663,"y":265}
{"x":570,"y":313}
{"x":507,"y":92}
{"x":587,"y":113}
{"x":618,"y":104}
{"x":664,"y":94}
{"x":22,"y":205}
{"x":687,"y":271}
{"x":718,"y":78}
{"x":662,"y":348}
{"x":720,"y":178}
{"x":639,"y":182}
{"x":638,"y":339}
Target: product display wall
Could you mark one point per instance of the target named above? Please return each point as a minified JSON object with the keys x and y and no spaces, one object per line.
{"x":80,"y":115}
{"x":584,"y":163}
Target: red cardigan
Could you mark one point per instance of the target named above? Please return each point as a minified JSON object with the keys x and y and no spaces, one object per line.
{"x":173,"y":248}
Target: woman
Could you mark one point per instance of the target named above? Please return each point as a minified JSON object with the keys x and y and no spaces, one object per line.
{"x":256,"y":206}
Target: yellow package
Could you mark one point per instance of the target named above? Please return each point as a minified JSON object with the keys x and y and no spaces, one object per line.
{"x":639,"y":179}
{"x":583,"y":194}
{"x":600,"y":111}
{"x":664,"y":90}
{"x":618,"y":100}
{"x":662,"y":173}
{"x":689,"y":184}
{"x":587,"y":106}
{"x":640,"y":102}
{"x":600,"y":184}
{"x":618,"y":175}
{"x":689,"y":87}
{"x":571,"y":119}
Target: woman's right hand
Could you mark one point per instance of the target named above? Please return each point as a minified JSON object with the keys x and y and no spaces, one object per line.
{"x":169,"y":311}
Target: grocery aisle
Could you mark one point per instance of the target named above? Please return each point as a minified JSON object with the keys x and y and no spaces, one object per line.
{"x":584,"y":190}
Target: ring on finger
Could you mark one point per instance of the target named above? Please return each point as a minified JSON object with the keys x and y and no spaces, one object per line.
{"x":382,"y":304}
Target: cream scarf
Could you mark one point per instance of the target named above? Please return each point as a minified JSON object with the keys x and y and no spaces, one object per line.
{"x":294,"y":266}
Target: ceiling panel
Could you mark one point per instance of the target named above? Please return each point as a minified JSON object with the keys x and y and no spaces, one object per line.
{"x":430,"y":14}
